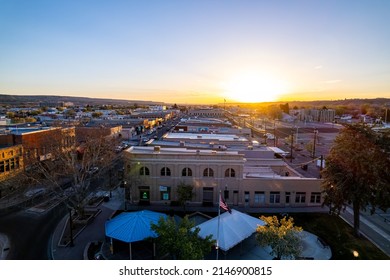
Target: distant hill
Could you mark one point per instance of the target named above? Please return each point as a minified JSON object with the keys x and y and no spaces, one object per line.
{"x":342,"y":102}
{"x":34,"y":100}
{"x":356,"y":102}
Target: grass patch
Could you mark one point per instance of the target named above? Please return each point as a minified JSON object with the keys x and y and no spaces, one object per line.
{"x":339,"y":235}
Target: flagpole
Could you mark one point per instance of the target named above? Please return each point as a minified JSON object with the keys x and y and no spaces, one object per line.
{"x":219,"y":218}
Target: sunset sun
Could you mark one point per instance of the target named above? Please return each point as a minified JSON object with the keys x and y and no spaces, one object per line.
{"x":253,"y":88}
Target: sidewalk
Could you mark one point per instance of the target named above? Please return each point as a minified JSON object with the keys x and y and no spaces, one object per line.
{"x":93,"y":232}
{"x":375,"y":228}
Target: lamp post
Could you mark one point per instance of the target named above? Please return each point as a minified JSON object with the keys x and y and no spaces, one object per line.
{"x":71,"y":244}
{"x":125,"y":188}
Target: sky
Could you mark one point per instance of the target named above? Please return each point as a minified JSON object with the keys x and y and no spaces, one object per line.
{"x":199,"y":51}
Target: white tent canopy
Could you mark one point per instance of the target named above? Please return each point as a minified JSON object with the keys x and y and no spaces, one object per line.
{"x":233,"y":228}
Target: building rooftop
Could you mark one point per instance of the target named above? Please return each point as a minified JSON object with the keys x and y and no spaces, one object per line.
{"x":24,"y":130}
{"x":216,"y":137}
{"x":160,"y":150}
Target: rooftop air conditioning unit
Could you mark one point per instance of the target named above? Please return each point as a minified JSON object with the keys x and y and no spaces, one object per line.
{"x":157,"y":148}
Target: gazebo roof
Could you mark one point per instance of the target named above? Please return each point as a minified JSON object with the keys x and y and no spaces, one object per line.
{"x":133,"y":226}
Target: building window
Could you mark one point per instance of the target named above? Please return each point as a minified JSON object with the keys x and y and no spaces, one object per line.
{"x":315,"y":197}
{"x":230,"y":172}
{"x":144,"y":194}
{"x":274,"y":197}
{"x":208,"y":172}
{"x":288,"y":194}
{"x":300,"y":197}
{"x":259,"y":198}
{"x":144,"y":171}
{"x":246,"y":198}
{"x":165,"y":193}
{"x":2,"y":169}
{"x":208,"y":194}
{"x":165,"y":171}
{"x":186,"y":172}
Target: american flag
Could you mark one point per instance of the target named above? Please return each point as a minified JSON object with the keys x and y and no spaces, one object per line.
{"x":223,"y":204}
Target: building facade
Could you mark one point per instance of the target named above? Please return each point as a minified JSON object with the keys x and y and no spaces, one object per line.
{"x":152,"y":175}
{"x":39,"y":143}
{"x":11,"y":161}
{"x":207,"y":113}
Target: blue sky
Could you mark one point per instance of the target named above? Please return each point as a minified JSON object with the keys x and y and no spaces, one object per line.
{"x":189,"y":51}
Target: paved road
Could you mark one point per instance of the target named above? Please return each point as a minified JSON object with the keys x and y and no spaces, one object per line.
{"x":29,"y":232}
{"x":375,"y":227}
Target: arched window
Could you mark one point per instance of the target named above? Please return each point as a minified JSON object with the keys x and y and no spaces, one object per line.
{"x":208,"y":172}
{"x":230,"y":172}
{"x":165,"y":171}
{"x":144,"y":171}
{"x":186,"y":172}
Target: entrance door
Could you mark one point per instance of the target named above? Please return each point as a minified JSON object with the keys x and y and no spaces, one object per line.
{"x":246,"y":198}
{"x":235,"y":198}
{"x":144,"y":196}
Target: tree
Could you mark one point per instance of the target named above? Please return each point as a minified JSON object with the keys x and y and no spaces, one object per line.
{"x":97,"y":114}
{"x":282,"y":236}
{"x":70,"y":113}
{"x":285,"y":108}
{"x":357,"y":172}
{"x":274,"y":112}
{"x":132,"y":179}
{"x":181,"y":241}
{"x":74,"y":165}
{"x":184,"y":193}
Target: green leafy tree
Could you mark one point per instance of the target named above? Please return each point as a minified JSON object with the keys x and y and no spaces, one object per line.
{"x":281,"y":235}
{"x":184,"y":193}
{"x":357,"y":172}
{"x":181,"y":241}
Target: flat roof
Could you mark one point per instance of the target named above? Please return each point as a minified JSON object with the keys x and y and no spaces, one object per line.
{"x":278,"y":151}
{"x":204,"y":136}
{"x":24,"y":130}
{"x":163,"y":150}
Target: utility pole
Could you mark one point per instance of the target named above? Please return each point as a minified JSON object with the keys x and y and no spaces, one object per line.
{"x":321,"y":164}
{"x":291,"y":144}
{"x":314,"y":142}
{"x":275,"y":141}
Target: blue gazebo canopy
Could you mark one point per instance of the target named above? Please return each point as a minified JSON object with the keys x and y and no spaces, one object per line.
{"x":133,"y":226}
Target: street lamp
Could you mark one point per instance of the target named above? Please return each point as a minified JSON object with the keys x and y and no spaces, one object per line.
{"x":124,"y":185}
{"x":71,"y":244}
